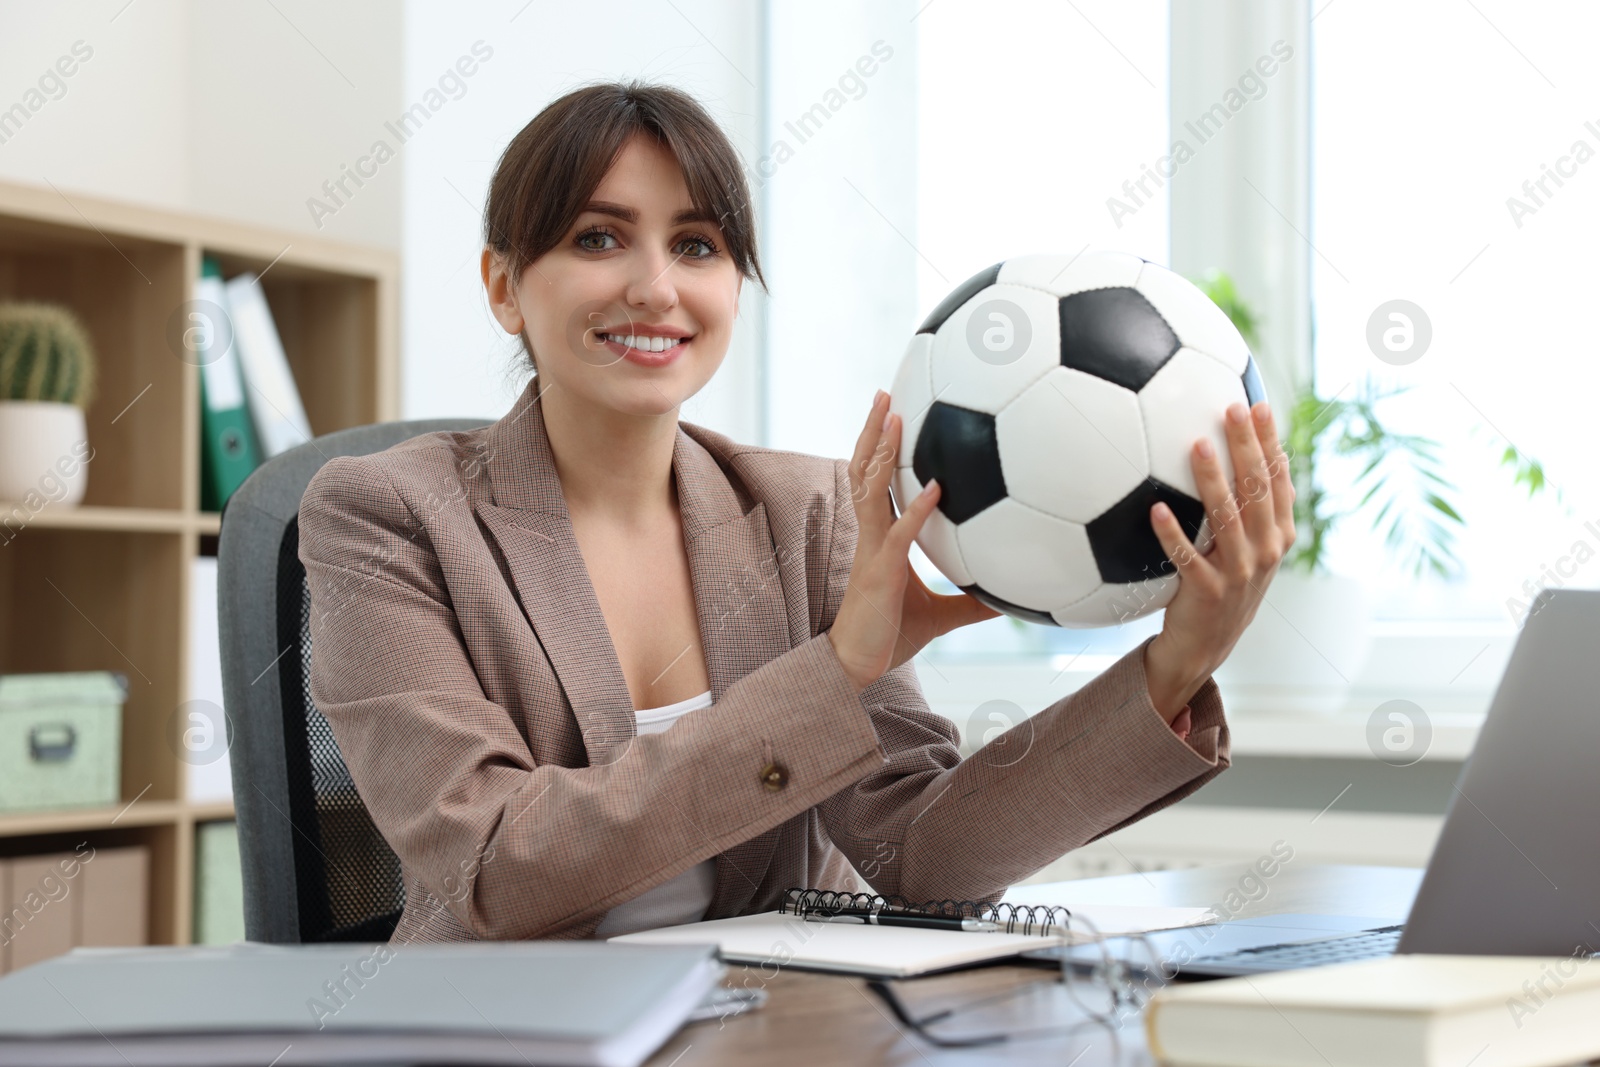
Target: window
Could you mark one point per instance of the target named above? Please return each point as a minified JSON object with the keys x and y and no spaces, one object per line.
{"x":1456,"y":165}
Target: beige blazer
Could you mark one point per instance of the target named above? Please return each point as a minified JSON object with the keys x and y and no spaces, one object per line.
{"x":461,"y":657}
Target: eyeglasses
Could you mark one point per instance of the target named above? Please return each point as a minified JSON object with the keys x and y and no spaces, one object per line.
{"x":1096,"y":989}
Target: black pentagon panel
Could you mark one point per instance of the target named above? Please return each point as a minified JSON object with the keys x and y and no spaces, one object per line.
{"x":1124,"y":544}
{"x":960,"y":295}
{"x":958,"y":447}
{"x":1043,"y":618}
{"x":1254,"y":391}
{"x":1115,"y":334}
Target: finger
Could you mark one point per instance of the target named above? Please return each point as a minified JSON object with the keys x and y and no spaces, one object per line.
{"x":977,"y":610}
{"x":1174,"y":542}
{"x":908,"y":525}
{"x":871,"y":498}
{"x":868,"y":439}
{"x":1252,"y":490}
{"x":1222,"y":513}
{"x":874,"y":511}
{"x":1278,"y":468}
{"x":879,"y":471}
{"x":951,"y":612}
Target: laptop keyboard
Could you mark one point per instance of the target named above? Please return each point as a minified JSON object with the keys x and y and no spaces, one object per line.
{"x":1369,"y":944}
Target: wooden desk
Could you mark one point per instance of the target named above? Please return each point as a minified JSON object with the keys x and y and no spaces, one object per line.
{"x":829,"y":1019}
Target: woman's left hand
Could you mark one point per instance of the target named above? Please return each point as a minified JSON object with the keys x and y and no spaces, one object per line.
{"x":1219,"y":592}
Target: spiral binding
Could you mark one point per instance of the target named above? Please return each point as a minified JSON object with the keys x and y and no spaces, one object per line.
{"x":1038,"y":919}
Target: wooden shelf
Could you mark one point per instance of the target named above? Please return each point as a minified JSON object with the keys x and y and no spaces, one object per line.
{"x":106,"y":585}
{"x":128,"y":520}
{"x":138,"y":813}
{"x":210,"y":810}
{"x":63,"y":820}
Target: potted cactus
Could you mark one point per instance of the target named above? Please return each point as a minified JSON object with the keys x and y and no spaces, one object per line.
{"x":47,"y":379}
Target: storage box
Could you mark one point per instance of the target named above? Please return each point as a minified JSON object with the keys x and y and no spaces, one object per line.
{"x":219,"y":884}
{"x":53,"y":903}
{"x":61,"y":739}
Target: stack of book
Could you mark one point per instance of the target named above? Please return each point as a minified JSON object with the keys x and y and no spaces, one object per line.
{"x":250,"y":407}
{"x":1412,"y":1010}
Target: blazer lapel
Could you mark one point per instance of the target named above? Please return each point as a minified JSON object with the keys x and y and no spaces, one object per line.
{"x":739,"y":592}
{"x":529,"y":521}
{"x":739,"y":596}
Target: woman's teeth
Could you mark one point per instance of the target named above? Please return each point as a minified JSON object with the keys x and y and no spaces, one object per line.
{"x":643,"y":344}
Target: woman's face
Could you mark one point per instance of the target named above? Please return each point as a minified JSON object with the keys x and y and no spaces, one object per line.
{"x":637,"y":263}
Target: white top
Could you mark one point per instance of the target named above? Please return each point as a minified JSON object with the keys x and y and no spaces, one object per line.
{"x":683,"y":899}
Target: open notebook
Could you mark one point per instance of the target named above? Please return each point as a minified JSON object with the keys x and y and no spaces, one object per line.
{"x":786,"y":938}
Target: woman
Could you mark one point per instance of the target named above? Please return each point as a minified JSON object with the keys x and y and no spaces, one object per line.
{"x":506,"y":621}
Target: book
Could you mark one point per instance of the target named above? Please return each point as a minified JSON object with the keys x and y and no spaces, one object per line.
{"x":203,"y":733}
{"x":786,"y":937}
{"x":1421,"y":1011}
{"x":508,"y":1002}
{"x":274,"y":400}
{"x":228,"y":448}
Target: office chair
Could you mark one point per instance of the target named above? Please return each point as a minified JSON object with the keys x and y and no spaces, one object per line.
{"x":315,"y":867}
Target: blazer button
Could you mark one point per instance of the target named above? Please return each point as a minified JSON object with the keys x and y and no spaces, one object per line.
{"x":774,"y":776}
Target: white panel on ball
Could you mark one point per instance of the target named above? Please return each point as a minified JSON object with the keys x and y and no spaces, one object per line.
{"x":994,"y":346}
{"x":1199,"y":323}
{"x":1072,"y":444}
{"x":1187,"y":400}
{"x":1026,"y":556}
{"x":1065,"y":275}
{"x":912,"y":394}
{"x":938,"y":536}
{"x":1114,"y":603}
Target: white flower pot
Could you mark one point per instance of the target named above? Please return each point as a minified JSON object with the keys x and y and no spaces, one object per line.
{"x":44,"y":453}
{"x":1305,"y":646}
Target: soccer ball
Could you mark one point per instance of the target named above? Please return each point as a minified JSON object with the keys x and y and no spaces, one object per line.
{"x":1056,"y":398}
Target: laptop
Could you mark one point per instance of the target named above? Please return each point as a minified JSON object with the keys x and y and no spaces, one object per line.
{"x":1513,"y":871}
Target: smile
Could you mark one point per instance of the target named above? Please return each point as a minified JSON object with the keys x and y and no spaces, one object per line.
{"x":644,"y":344}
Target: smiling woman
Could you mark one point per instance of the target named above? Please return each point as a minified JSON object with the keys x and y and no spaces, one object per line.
{"x":619,"y":276}
{"x":650,"y":674}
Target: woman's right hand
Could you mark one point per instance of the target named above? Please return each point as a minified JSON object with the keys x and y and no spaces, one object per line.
{"x":888,"y":615}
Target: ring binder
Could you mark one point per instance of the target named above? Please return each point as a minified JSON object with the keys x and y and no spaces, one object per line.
{"x":1040,"y":919}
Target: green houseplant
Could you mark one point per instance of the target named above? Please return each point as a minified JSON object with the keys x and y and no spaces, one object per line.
{"x":47,"y":380}
{"x":1401,"y":487}
{"x":1310,"y":638}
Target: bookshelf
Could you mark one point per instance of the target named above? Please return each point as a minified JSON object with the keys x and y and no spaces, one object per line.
{"x":105,"y":585}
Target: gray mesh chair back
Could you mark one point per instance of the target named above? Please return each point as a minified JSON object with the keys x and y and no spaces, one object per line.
{"x":315,"y":867}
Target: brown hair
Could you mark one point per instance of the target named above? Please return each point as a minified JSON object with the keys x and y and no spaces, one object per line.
{"x":553,"y":165}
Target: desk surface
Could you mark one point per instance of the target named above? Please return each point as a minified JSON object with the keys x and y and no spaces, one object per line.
{"x":827,"y":1019}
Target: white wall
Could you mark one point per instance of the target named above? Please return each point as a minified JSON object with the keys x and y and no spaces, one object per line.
{"x":841,"y":214}
{"x":120,"y":128}
{"x":275,"y":109}
{"x":239,"y":110}
{"x":456,"y":360}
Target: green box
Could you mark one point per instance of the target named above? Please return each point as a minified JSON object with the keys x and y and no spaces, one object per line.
{"x":61,"y":739}
{"x":219,"y":884}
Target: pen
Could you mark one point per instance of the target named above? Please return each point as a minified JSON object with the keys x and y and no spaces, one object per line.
{"x":921,"y":922}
